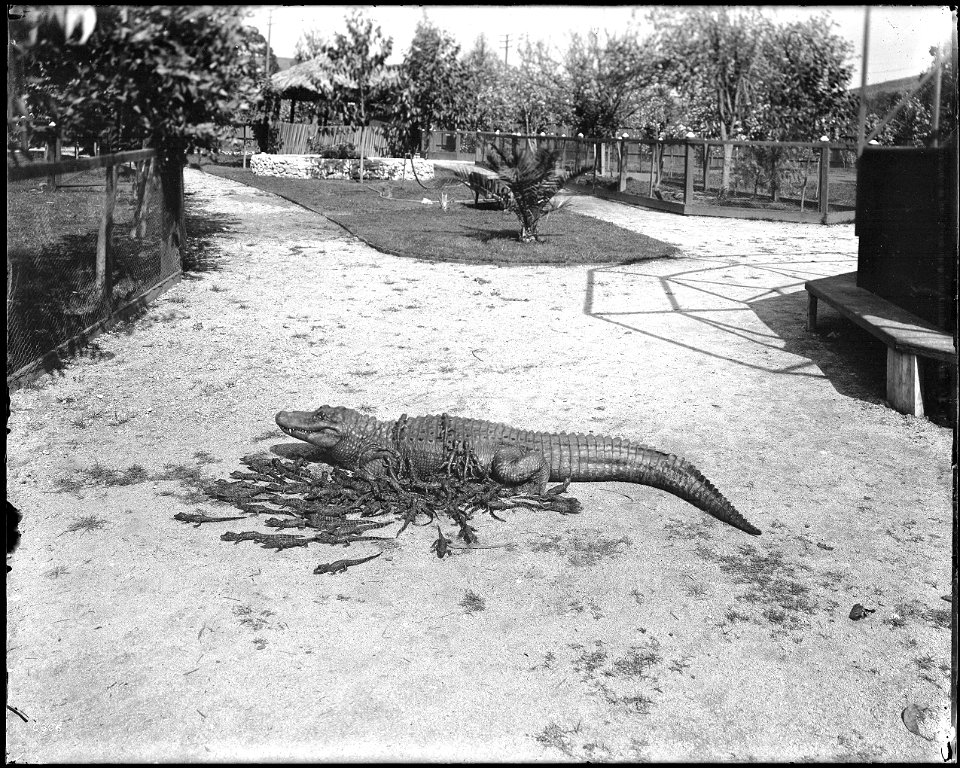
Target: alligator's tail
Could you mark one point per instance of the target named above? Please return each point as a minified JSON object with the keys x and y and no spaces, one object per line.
{"x":679,"y":477}
{"x":591,"y":459}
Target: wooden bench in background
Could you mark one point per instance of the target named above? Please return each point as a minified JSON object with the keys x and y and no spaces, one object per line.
{"x":907,"y":336}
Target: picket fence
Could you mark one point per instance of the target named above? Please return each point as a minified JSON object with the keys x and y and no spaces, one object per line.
{"x":295,"y":138}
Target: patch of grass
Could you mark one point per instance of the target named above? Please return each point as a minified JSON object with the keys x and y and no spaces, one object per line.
{"x":914,"y":610}
{"x":588,"y":662}
{"x":99,"y":475}
{"x":769,"y":580}
{"x":403,"y":226}
{"x":247,"y":617}
{"x":637,"y":701}
{"x":638,"y":661}
{"x":584,"y":548}
{"x":472,"y":602}
{"x":103,"y":476}
{"x":733,"y":617}
{"x":558,"y":738}
{"x":87,"y":523}
{"x":85,"y":419}
{"x":694,"y":589}
{"x":688,"y":530}
{"x":56,"y":572}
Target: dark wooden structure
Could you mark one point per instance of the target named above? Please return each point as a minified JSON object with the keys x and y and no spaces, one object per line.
{"x":907,"y":224}
{"x":904,"y":291}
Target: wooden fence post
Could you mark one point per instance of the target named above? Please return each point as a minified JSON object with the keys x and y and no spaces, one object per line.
{"x":689,"y":166}
{"x":824,"y":190}
{"x":54,"y":155}
{"x":622,"y":169}
{"x":104,"y":278}
{"x":706,"y":167}
{"x":653,"y":161}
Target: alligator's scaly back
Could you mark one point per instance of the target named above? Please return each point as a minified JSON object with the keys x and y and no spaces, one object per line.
{"x":510,"y":455}
{"x":598,"y":458}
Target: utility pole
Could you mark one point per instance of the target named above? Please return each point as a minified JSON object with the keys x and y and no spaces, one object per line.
{"x":506,"y":47}
{"x":266,"y":55}
{"x":862,"y":116}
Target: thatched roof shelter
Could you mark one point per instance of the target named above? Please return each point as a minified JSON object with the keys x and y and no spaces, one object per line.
{"x":306,"y":81}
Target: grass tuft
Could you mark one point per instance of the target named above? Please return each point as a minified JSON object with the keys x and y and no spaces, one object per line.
{"x":86,"y":523}
{"x":472,"y":602}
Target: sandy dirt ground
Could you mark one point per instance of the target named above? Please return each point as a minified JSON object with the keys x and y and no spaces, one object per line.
{"x":641,"y":629}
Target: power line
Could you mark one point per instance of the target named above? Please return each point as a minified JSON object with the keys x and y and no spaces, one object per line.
{"x":506,"y":47}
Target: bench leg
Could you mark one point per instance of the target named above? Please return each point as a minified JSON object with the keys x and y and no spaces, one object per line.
{"x":903,"y":382}
{"x":811,"y":312}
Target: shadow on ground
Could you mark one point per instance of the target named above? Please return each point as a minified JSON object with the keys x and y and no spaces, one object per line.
{"x":852,"y":360}
{"x":200,"y":253}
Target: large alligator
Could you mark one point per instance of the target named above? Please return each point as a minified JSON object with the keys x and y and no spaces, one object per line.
{"x":427,"y":445}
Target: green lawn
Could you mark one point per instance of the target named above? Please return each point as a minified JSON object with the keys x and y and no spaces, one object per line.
{"x":391,"y":217}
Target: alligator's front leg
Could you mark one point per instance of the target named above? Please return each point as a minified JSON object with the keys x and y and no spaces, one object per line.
{"x":380,"y":462}
{"x":520,"y":466}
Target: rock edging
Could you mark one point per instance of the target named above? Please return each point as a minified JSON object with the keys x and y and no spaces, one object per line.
{"x":317,"y":167}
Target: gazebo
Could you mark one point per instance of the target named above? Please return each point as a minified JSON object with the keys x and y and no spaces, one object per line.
{"x":307,"y":81}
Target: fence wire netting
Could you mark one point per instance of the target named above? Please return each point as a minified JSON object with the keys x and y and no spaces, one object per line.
{"x":783,"y":177}
{"x":55,"y":290}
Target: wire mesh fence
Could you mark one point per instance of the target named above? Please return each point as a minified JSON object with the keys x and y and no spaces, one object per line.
{"x":768,"y":176}
{"x":82,"y":245}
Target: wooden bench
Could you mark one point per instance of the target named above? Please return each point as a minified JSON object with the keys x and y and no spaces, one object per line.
{"x":907,"y":336}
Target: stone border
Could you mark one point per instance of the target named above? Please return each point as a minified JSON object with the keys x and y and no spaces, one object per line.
{"x":317,"y":167}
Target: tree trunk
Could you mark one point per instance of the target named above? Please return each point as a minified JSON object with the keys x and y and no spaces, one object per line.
{"x":362,"y":129}
{"x":725,"y":172}
{"x":174,"y":233}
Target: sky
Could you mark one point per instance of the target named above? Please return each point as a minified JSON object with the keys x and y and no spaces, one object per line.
{"x":900,"y":36}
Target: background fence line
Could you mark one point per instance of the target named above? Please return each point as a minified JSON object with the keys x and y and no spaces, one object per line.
{"x":785,"y":181}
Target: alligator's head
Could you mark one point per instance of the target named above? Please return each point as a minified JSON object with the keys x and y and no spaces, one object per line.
{"x":324,"y":427}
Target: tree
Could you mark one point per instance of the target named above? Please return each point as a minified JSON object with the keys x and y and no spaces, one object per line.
{"x":804,"y":93}
{"x":483,"y":87}
{"x":23,"y":30}
{"x":359,"y":73}
{"x":267,"y":100}
{"x":310,"y":45}
{"x":607,"y":81}
{"x":171,"y":77}
{"x":537,"y":90}
{"x":714,"y":56}
{"x":176,"y":76}
{"x":802,"y":96}
{"x":913,"y":123}
{"x":433,"y":90}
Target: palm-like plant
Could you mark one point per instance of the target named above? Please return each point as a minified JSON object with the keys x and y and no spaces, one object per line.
{"x":533,"y":178}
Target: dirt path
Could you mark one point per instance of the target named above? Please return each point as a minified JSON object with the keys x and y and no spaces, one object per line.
{"x":640,"y":629}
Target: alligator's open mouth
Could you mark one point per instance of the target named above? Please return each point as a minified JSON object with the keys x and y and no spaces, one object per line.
{"x":300,"y":434}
